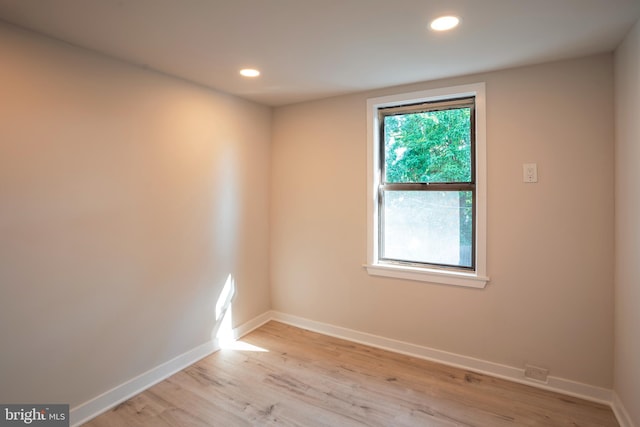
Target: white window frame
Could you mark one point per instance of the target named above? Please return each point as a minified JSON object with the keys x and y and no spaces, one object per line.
{"x":474,"y":279}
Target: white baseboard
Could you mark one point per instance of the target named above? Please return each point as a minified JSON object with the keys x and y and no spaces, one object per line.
{"x":624,"y":419}
{"x":560,"y":385}
{"x":252,"y":324}
{"x":94,"y":407}
{"x":102,"y":403}
{"x":107,"y":400}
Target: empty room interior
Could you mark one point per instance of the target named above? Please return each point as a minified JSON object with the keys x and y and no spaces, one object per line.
{"x":167,"y":221}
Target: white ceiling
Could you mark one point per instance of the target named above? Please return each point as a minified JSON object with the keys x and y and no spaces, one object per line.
{"x":309,"y":49}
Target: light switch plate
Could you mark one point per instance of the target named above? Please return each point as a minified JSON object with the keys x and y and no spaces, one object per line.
{"x":530,"y":172}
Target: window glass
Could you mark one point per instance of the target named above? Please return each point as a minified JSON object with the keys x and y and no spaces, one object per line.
{"x":431,"y":146}
{"x":432,"y":227}
{"x":426,"y":196}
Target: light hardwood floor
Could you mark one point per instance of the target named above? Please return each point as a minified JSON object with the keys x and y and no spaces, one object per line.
{"x":307,"y":379}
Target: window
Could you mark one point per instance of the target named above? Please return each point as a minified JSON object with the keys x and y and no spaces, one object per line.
{"x":427,"y":186}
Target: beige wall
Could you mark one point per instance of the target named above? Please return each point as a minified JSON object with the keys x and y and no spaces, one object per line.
{"x":550,"y":244}
{"x":627,"y":267}
{"x":126,"y":199}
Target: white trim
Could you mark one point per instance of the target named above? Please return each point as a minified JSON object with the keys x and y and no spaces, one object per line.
{"x":102,"y":403}
{"x":107,"y":400}
{"x":624,"y":419}
{"x":556,"y":384}
{"x":251,"y":325}
{"x":429,"y":275}
{"x":477,"y":279}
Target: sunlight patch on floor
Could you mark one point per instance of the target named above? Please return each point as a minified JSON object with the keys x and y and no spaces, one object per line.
{"x":243,"y":346}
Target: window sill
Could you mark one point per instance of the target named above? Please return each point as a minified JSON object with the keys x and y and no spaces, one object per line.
{"x":455,"y":278}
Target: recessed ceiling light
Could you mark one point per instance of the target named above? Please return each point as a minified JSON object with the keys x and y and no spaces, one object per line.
{"x":249,"y":72}
{"x":445,"y":23}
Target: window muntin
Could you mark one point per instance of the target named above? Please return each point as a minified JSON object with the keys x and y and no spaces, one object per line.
{"x":427,"y":192}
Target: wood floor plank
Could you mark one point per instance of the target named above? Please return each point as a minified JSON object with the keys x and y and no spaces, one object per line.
{"x":308,"y":379}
